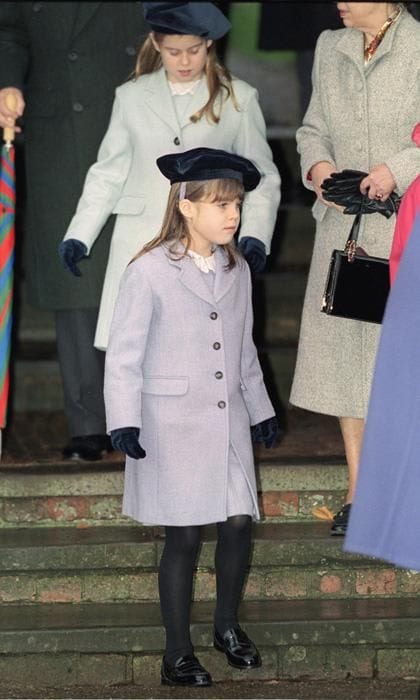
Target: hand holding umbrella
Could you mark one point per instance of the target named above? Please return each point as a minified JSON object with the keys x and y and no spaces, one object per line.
{"x":7,"y":241}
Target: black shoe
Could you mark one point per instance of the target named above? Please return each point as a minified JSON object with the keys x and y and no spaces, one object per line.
{"x":90,"y":447}
{"x":186,"y":670}
{"x":341,"y":520}
{"x":240,"y":651}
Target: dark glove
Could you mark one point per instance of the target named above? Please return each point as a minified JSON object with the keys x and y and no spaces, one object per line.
{"x":344,"y":189}
{"x":70,"y":252}
{"x":267,"y":432}
{"x":127,"y":440}
{"x":254,"y":253}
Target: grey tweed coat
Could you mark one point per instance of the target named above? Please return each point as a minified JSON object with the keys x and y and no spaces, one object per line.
{"x":181,"y":365}
{"x":358,"y":117}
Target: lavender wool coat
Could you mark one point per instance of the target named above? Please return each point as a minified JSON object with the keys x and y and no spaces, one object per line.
{"x":171,"y":337}
{"x":385,"y":517}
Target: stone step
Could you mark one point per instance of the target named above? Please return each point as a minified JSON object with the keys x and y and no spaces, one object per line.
{"x":98,"y":565}
{"x":111,"y":643}
{"x":89,"y":494}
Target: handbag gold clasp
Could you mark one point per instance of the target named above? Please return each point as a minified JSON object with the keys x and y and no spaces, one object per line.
{"x":350,"y":249}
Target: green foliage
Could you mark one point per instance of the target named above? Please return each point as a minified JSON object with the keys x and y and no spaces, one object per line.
{"x":245,"y":18}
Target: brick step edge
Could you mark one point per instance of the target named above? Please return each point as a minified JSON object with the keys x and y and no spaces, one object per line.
{"x":344,"y":639}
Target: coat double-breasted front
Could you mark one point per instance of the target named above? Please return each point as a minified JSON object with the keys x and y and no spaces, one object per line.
{"x":181,"y":365}
{"x":359,"y":116}
{"x":126,"y":181}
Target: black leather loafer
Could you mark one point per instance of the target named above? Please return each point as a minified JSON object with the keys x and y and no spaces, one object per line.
{"x":186,"y":670}
{"x":341,"y":521}
{"x":89,"y":447}
{"x":240,"y":651}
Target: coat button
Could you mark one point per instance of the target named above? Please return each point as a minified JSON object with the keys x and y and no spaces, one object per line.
{"x":213,"y":315}
{"x":219,"y":375}
{"x":72,"y":56}
{"x":177,"y":141}
{"x":216,"y":346}
{"x":222,"y":404}
{"x":77,"y":107}
{"x":130,"y":50}
{"x":37,"y":6}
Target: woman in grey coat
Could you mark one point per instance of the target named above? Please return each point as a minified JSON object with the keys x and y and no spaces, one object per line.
{"x":365,"y":103}
{"x":182,"y":368}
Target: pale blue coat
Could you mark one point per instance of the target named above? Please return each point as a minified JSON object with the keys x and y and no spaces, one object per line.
{"x":126,"y":181}
{"x":160,"y":375}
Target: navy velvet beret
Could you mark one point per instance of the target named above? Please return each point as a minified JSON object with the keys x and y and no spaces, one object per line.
{"x":208,"y":164}
{"x":202,"y":19}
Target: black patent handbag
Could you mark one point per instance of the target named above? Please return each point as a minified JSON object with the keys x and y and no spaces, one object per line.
{"x":357,"y":285}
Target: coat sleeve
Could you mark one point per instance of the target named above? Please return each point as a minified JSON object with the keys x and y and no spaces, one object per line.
{"x":104,"y":181}
{"x":410,"y":205}
{"x":125,"y":353}
{"x":14,"y":46}
{"x":260,"y":207}
{"x":254,"y":392}
{"x":314,"y":143}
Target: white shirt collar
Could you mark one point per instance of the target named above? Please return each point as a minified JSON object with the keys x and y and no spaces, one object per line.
{"x":184,"y":88}
{"x":205,"y":264}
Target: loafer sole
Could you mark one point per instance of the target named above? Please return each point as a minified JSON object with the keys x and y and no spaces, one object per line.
{"x":241,"y":667}
{"x":191,"y":684}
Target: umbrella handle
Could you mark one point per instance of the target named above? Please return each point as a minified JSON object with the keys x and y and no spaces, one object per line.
{"x":8,"y":131}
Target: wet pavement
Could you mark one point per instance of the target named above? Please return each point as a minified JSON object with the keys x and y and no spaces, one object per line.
{"x":354,"y":689}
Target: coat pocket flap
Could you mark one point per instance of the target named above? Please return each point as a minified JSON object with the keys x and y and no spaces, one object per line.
{"x":129,"y":205}
{"x":165,"y":386}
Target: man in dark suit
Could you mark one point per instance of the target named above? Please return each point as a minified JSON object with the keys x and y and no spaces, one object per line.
{"x":63,"y":62}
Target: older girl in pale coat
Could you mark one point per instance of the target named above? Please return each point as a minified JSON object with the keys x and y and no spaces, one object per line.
{"x":181,"y":97}
{"x":182,"y":368}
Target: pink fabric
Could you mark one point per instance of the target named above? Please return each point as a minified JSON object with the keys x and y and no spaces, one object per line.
{"x":410,"y":205}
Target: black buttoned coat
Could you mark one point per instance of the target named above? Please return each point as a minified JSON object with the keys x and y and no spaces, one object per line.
{"x":68,"y":59}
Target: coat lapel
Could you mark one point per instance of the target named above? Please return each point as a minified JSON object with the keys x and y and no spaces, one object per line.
{"x":199,"y":99}
{"x":352,"y":45}
{"x":159,"y":99}
{"x":224,"y":278}
{"x":85,"y":11}
{"x":191,"y":277}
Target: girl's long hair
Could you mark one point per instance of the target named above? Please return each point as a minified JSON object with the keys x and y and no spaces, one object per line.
{"x":219,"y":79}
{"x":174,"y":232}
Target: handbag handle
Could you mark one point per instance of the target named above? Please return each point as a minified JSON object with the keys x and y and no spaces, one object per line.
{"x":351,"y":243}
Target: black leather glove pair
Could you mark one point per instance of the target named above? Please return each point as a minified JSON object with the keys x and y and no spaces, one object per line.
{"x":71,"y":252}
{"x":344,"y":189}
{"x":254,"y":253}
{"x":127,"y":440}
{"x":266,"y":432}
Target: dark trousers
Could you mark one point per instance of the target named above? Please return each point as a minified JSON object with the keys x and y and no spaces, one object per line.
{"x":82,"y":371}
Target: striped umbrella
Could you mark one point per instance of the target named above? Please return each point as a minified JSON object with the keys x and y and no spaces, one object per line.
{"x":7,"y":242}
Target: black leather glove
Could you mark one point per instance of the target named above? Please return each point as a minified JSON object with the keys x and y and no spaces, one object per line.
{"x":70,"y":252}
{"x":344,"y":189}
{"x":267,"y":432}
{"x":254,"y":253}
{"x":127,"y":440}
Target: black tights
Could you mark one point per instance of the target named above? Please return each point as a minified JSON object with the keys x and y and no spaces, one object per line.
{"x":176,"y":579}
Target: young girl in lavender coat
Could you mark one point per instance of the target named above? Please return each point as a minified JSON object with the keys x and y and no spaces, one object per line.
{"x":183,"y":385}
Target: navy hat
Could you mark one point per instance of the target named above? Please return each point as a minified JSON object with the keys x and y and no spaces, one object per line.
{"x":196,"y":18}
{"x":208,"y":164}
